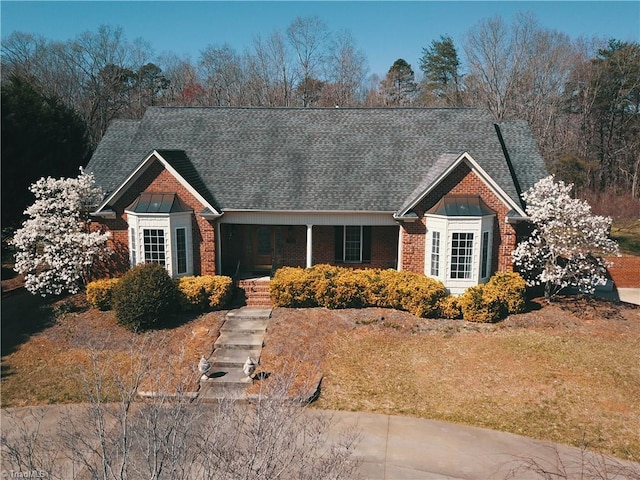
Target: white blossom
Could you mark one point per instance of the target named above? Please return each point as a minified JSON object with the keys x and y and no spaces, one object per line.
{"x":568,"y":242}
{"x":56,"y":247}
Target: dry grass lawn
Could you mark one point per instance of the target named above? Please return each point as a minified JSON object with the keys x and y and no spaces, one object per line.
{"x":567,"y":372}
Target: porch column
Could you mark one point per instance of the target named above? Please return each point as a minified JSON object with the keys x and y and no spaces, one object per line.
{"x":399,"y":266}
{"x":309,"y":246}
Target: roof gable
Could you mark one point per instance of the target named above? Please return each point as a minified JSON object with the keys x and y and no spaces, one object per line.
{"x":177,"y":164}
{"x":444,"y":168}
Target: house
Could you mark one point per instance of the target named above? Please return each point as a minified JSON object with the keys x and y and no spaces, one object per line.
{"x":221,"y":190}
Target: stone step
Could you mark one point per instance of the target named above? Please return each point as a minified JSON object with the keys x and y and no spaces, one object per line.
{"x":235,"y":340}
{"x":250,"y":313}
{"x":245,"y":325}
{"x":232,"y":357}
{"x":227,"y":377}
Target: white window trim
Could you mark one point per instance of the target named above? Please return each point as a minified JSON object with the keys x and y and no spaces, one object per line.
{"x":344,"y":243}
{"x":169,"y":223}
{"x":447,"y":226}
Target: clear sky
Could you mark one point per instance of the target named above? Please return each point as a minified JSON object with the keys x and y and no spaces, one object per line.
{"x":384,"y":30}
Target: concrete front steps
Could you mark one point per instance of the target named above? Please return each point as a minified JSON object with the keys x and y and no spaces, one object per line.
{"x":241,"y":336}
{"x":254,"y":292}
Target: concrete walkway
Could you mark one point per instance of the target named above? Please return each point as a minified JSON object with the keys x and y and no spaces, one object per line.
{"x":398,"y":448}
{"x":241,"y":336}
{"x":402,"y":448}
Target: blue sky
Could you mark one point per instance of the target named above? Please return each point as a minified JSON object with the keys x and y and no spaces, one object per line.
{"x":384,"y":30}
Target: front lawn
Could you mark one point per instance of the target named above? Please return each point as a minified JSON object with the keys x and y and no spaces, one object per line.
{"x":567,"y":372}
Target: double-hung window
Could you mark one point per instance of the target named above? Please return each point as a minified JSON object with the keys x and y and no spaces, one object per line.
{"x":353,"y":244}
{"x":435,"y":254}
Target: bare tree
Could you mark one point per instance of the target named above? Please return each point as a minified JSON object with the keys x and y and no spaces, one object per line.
{"x":271,"y":81}
{"x":173,"y":435}
{"x":224,"y":75}
{"x":346,"y":70}
{"x":309,"y":38}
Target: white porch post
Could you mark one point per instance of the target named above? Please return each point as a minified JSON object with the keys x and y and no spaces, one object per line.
{"x":218,"y":244}
{"x":309,"y":246}
{"x":399,"y":267}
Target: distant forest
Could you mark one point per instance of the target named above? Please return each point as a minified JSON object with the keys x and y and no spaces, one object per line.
{"x":581,"y":97}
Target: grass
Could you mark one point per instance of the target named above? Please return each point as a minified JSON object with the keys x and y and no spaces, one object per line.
{"x":569,"y":375}
{"x":567,"y":372}
{"x":627,"y":234}
{"x":53,"y":355}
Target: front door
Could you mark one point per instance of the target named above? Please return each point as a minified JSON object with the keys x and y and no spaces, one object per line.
{"x":266,"y":247}
{"x":262,"y":248}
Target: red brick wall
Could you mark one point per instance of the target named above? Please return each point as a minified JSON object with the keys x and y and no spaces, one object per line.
{"x":384,"y":247}
{"x":157,"y":179}
{"x":462,"y":181}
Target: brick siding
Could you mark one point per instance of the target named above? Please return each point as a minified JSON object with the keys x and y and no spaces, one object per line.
{"x":156,"y":179}
{"x":462,"y":181}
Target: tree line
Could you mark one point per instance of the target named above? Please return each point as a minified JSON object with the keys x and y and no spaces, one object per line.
{"x":581,"y":97}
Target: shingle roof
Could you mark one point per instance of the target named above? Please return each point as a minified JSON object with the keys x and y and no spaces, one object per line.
{"x":311,"y":159}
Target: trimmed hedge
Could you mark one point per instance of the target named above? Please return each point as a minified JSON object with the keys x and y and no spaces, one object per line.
{"x":504,"y":294}
{"x":143,"y":295}
{"x":204,"y":292}
{"x":100,"y":293}
{"x":338,"y":287}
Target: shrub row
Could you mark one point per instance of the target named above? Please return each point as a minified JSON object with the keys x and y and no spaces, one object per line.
{"x":336,"y":287}
{"x":502,"y":295}
{"x":146,"y":292}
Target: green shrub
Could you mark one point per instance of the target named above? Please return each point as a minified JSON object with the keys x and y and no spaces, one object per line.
{"x":100,"y":293}
{"x":204,"y":292}
{"x":504,"y":294}
{"x":336,"y":287}
{"x":449,"y":307}
{"x":143,"y":295}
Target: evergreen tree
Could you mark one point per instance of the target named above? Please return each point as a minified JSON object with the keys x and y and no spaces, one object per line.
{"x":440,"y":65}
{"x":40,"y":137}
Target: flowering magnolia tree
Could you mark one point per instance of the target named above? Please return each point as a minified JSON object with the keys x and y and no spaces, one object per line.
{"x":568,"y":242}
{"x":55,"y":247}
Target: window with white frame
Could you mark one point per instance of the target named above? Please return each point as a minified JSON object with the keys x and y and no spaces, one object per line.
{"x":461,"y":255}
{"x":435,"y":254}
{"x":153,"y":241}
{"x":458,"y":247}
{"x":160,"y":232}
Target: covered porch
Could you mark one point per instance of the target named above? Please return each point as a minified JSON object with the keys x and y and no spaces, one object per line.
{"x":247,"y":250}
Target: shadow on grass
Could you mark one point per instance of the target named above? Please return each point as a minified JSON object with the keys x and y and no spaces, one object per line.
{"x":23,"y":314}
